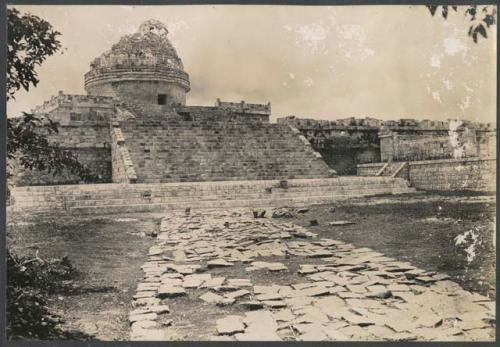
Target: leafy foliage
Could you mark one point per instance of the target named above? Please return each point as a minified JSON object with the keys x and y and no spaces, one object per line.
{"x":30,"y":41}
{"x":30,"y":280}
{"x":481,"y":17}
{"x":27,"y":141}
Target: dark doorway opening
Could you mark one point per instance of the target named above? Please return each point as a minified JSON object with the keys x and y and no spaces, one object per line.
{"x":162,"y":99}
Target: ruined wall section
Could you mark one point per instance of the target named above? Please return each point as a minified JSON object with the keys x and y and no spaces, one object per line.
{"x":143,"y":66}
{"x":474,"y":174}
{"x":454,"y":175}
{"x":346,"y":143}
{"x":83,"y":129}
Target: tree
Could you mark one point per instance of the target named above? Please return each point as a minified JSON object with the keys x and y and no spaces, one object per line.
{"x":30,"y":41}
{"x":481,"y":17}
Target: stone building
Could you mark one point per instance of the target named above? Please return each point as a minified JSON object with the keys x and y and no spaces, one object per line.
{"x":133,"y":125}
{"x":345,"y":143}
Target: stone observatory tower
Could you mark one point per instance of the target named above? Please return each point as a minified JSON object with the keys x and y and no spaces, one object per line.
{"x":143,"y":67}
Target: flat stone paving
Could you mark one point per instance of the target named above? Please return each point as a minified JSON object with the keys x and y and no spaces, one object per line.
{"x":339,"y":292}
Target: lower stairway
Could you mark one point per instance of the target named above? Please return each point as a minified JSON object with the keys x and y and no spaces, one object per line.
{"x":158,"y":197}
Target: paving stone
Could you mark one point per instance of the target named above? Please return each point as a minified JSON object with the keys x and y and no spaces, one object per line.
{"x":195,"y":280}
{"x":401,"y":337}
{"x":384,"y":294}
{"x":230,"y":325}
{"x":320,"y":253}
{"x":146,"y":301}
{"x":149,"y":309}
{"x":252,"y":305}
{"x":351,"y":285}
{"x":147,"y":286}
{"x":298,"y":301}
{"x":144,"y":324}
{"x":142,"y":317}
{"x":239,"y":282}
{"x":315,"y":291}
{"x":170,"y":291}
{"x":341,"y":222}
{"x":333,"y":333}
{"x":237,"y":294}
{"x":172,"y":282}
{"x":213,"y":282}
{"x":268,"y":296}
{"x":284,"y":315}
{"x":310,"y":314}
{"x":219,"y":263}
{"x":145,"y":294}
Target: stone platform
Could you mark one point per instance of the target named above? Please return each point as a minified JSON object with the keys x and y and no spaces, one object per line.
{"x":224,"y":275}
{"x":124,"y":198}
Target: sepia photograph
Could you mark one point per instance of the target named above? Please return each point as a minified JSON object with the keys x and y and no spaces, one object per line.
{"x":242,"y":172}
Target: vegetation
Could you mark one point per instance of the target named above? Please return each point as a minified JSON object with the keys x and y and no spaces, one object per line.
{"x":30,"y":279}
{"x":30,"y":41}
{"x":481,"y":17}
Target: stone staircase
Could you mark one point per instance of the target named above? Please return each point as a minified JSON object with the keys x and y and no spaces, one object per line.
{"x":126,"y":198}
{"x":168,"y":147}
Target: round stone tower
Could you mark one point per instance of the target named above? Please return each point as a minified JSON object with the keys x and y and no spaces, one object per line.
{"x":143,"y":67}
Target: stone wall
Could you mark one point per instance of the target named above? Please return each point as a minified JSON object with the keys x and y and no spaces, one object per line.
{"x":477,"y":174}
{"x":244,"y":107}
{"x":122,"y":167}
{"x":122,"y":198}
{"x":454,"y":175}
{"x":372,"y":169}
{"x":146,"y":90}
{"x":345,"y":143}
{"x":98,"y":160}
{"x":83,"y":129}
{"x":421,"y":147}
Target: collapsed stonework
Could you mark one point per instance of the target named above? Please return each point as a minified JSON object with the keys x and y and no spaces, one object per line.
{"x":346,"y":143}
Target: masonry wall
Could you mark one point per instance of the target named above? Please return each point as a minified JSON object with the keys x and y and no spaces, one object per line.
{"x":98,"y":160}
{"x":477,"y":174}
{"x":144,"y":91}
{"x":455,"y":175}
{"x":83,"y":129}
{"x":113,"y":198}
{"x":372,"y":169}
{"x":421,"y":147}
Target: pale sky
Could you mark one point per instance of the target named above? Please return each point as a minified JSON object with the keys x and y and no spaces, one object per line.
{"x":324,"y":62}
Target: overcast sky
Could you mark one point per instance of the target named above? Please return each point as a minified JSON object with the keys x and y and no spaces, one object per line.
{"x":386,"y":62}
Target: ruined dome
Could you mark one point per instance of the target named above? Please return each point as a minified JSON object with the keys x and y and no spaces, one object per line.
{"x":142,"y":67}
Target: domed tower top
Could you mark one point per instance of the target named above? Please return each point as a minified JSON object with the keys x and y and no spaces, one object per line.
{"x":142,"y":67}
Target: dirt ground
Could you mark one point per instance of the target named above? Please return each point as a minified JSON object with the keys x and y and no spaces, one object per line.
{"x":109,"y":250}
{"x":422,"y":233}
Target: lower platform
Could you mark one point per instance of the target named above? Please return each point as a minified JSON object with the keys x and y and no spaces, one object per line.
{"x":158,"y":197}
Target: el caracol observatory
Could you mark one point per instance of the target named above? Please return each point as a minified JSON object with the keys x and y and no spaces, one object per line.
{"x":134,"y":126}
{"x":143,"y":67}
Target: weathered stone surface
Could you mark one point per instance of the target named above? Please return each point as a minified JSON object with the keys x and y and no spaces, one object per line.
{"x":211,"y":297}
{"x":219,"y":263}
{"x":344,"y":297}
{"x":341,"y":222}
{"x":142,"y":317}
{"x":237,"y":294}
{"x":230,"y":325}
